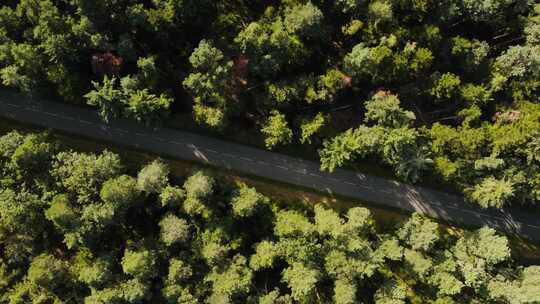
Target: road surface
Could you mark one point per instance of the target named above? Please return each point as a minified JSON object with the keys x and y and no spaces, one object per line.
{"x":282,"y":168}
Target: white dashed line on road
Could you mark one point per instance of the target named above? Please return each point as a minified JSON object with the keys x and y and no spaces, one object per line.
{"x":365,"y":185}
{"x":121,"y":131}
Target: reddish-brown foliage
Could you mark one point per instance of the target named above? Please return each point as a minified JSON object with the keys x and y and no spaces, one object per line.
{"x":106,"y":64}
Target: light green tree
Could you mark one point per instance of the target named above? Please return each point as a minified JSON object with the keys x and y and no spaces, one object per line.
{"x":491,"y":192}
{"x":209,"y":83}
{"x":246,"y":200}
{"x":419,"y":232}
{"x":276,"y":130}
{"x":174,"y":230}
{"x":384,"y":109}
{"x":391,"y":292}
{"x":140,"y":264}
{"x":302,"y":280}
{"x":304,"y":20}
{"x":83,"y":173}
{"x":153,"y":177}
{"x":312,"y":126}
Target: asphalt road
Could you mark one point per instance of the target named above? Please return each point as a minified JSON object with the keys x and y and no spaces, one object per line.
{"x":244,"y":159}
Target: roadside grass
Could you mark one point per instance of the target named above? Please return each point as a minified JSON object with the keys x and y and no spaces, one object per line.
{"x":280,"y":193}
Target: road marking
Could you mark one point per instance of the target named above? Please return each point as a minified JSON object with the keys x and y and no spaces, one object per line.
{"x":160,"y":139}
{"x":506,"y":221}
{"x":58,"y":115}
{"x":474,"y":212}
{"x":121,"y":130}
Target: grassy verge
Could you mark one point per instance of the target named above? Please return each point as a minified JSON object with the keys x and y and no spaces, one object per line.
{"x":280,"y":192}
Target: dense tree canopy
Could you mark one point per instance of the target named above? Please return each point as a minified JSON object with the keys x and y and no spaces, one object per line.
{"x":140,"y":235}
{"x":461,"y":76}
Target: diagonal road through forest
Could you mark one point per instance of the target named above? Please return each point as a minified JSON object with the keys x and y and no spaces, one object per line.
{"x":282,"y":168}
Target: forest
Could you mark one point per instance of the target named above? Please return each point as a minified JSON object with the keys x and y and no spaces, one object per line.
{"x":81,"y":227}
{"x":445,"y":90}
{"x":438,"y":91}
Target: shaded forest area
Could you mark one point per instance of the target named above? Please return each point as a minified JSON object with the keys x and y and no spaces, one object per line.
{"x":84,"y":228}
{"x":439,"y":88}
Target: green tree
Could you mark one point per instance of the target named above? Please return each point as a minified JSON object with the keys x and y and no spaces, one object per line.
{"x":491,"y":192}
{"x":174,"y":230}
{"x":140,"y":264}
{"x":62,"y":214}
{"x":446,"y":86}
{"x":33,"y":155}
{"x":172,"y":196}
{"x":209,"y":84}
{"x":276,"y":130}
{"x":419,"y":233}
{"x":179,"y":271}
{"x":198,"y":189}
{"x":470,"y":53}
{"x":82,"y":174}
{"x":368,"y":62}
{"x":120,"y":191}
{"x":232,"y":281}
{"x":344,"y":292}
{"x":291,"y":223}
{"x":312,"y":126}
{"x":153,"y":177}
{"x":264,"y":256}
{"x":391,"y":292}
{"x":523,"y":289}
{"x":107,"y":97}
{"x":146,"y":107}
{"x":96,"y":272}
{"x":21,"y":212}
{"x":348,"y":145}
{"x":384,"y":109}
{"x":304,"y":20}
{"x":302,"y":281}
{"x":246,"y":200}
